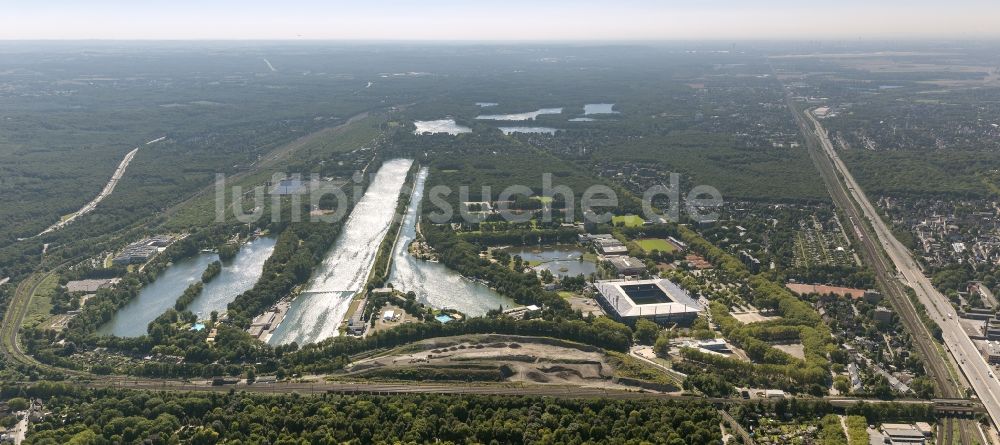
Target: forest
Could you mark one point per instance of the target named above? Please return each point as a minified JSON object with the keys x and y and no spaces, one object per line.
{"x":82,"y":416}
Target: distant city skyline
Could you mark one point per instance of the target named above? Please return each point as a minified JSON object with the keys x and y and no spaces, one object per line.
{"x":508,"y":20}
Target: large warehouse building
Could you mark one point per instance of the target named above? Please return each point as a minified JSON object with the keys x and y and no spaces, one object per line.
{"x":659,"y":300}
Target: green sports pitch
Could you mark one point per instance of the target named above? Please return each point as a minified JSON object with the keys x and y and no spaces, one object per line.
{"x":651,"y":244}
{"x":627,"y":220}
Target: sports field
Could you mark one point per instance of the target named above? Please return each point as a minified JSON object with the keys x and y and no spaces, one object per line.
{"x":651,"y":244}
{"x":627,"y":220}
{"x":646,"y":294}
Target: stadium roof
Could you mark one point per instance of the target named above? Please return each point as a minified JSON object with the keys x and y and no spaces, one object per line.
{"x":614,"y":292}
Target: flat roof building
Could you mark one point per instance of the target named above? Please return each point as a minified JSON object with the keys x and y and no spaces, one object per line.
{"x":610,"y":246}
{"x":356,"y":325}
{"x":992,"y":352}
{"x":992,"y":329}
{"x":898,"y":433}
{"x":142,"y":251}
{"x":658,"y":300}
{"x":89,"y":286}
{"x":626,"y":265}
{"x":882,"y":315}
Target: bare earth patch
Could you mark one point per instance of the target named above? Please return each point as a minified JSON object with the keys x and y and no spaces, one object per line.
{"x":533,"y":360}
{"x":795,"y":350}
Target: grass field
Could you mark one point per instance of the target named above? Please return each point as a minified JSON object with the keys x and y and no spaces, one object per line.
{"x":40,"y":305}
{"x":627,"y":220}
{"x":200,"y":210}
{"x":651,"y":244}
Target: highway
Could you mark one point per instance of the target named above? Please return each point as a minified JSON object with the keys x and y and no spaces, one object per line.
{"x":970,"y":361}
{"x":105,"y":192}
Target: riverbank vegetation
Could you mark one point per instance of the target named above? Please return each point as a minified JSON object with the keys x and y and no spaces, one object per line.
{"x":213,"y":270}
{"x":188,"y":296}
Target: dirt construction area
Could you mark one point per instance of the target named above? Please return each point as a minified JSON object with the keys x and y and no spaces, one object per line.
{"x":536,"y":360}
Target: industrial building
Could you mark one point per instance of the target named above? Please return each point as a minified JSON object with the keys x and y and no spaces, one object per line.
{"x":356,"y":325}
{"x":658,"y":300}
{"x":900,"y":433}
{"x":90,"y":286}
{"x":142,"y":251}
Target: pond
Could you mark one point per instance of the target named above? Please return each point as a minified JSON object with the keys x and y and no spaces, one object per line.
{"x":560,"y":259}
{"x":440,"y":126}
{"x":237,"y":276}
{"x":528,"y":116}
{"x":317,"y":313}
{"x":434,"y":283}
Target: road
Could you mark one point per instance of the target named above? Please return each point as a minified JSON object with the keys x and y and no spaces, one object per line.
{"x":20,"y":430}
{"x":108,"y":189}
{"x":970,"y":361}
{"x":883,"y":271}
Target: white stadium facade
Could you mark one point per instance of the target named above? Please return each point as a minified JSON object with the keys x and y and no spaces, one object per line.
{"x":659,"y":300}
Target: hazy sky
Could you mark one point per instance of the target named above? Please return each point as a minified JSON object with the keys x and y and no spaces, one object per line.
{"x":498,"y":19}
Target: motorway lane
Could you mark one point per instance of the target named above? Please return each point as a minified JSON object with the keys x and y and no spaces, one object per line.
{"x":883,"y":272}
{"x":972,"y":363}
{"x":885,"y":275}
{"x":105,"y":192}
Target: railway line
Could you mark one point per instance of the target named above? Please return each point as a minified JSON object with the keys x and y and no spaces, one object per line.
{"x":12,"y":349}
{"x":846,"y":198}
{"x":953,"y":400}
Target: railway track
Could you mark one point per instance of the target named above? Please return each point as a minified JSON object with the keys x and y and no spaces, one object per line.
{"x":885,"y":276}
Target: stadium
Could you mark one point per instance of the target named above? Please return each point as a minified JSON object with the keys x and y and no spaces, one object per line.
{"x":659,"y":300}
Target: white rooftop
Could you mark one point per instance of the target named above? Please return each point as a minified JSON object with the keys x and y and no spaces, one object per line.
{"x":616,"y":297}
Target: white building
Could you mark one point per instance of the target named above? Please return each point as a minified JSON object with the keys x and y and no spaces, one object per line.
{"x":658,"y":299}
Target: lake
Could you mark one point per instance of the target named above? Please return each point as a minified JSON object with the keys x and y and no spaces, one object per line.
{"x":434,"y":283}
{"x":560,"y":259}
{"x":535,"y":130}
{"x":237,"y":276}
{"x":589,"y":109}
{"x":528,"y":116}
{"x":317,"y":313}
{"x":440,"y":126}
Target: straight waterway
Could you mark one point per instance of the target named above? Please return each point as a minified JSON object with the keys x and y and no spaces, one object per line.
{"x":434,"y":283}
{"x":316,"y":314}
